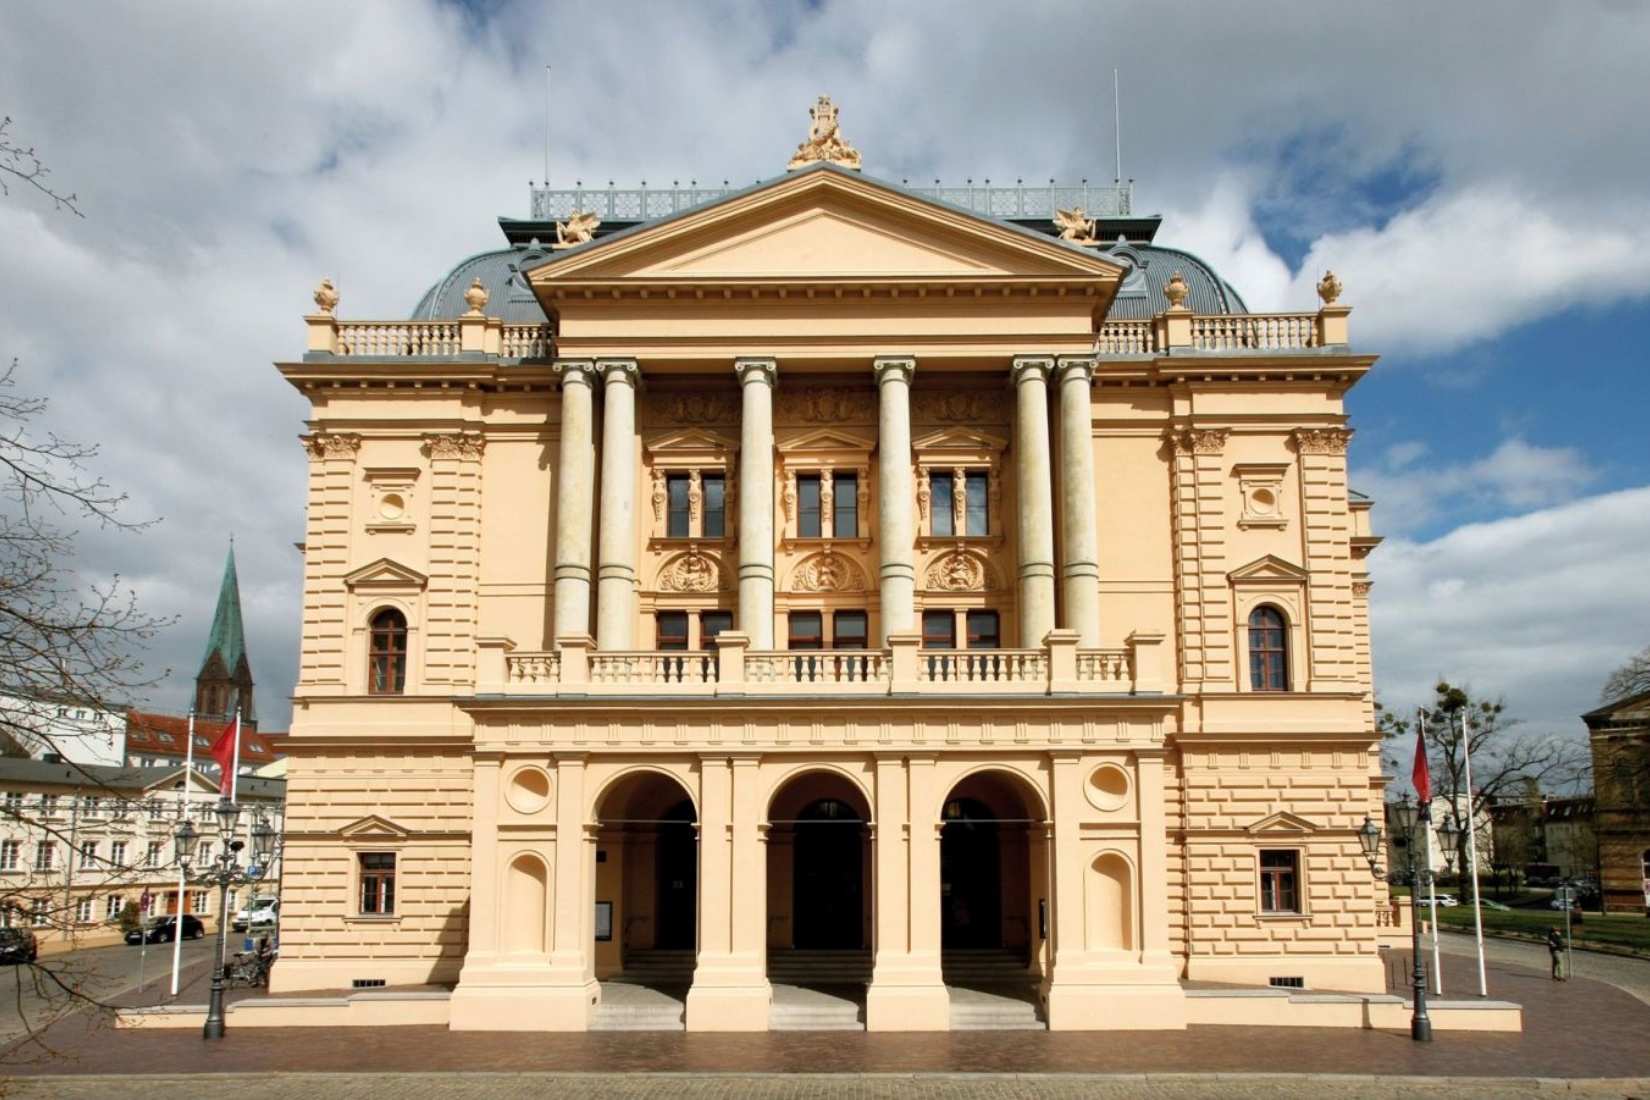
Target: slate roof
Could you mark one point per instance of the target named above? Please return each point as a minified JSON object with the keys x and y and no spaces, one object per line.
{"x":149,"y":734}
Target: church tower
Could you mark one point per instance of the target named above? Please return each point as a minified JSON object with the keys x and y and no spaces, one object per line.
{"x":225,"y":679}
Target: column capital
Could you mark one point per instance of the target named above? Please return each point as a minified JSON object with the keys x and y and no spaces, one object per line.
{"x":1074,"y":366}
{"x":886,"y":368}
{"x":1025,"y":366}
{"x":757,"y":369}
{"x":579,"y":371}
{"x":623,"y":371}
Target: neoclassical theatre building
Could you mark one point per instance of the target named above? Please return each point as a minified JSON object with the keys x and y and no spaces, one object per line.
{"x":832,"y":581}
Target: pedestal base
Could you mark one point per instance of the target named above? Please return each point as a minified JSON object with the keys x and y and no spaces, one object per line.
{"x":729,"y":1007}
{"x":476,"y":1007}
{"x":1116,"y":1007}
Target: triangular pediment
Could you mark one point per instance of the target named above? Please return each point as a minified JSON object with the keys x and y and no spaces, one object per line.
{"x":691,"y":440}
{"x":1268,"y":568}
{"x":373,"y":827}
{"x":385,"y":573}
{"x":826,"y":439}
{"x":959,"y":439}
{"x":824,"y":224}
{"x":1282,"y":824}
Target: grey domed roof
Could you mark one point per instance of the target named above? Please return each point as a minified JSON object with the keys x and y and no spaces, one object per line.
{"x":1151,"y":266}
{"x":500,"y":272}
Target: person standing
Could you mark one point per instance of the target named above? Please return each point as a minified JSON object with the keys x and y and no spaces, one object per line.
{"x":1555,"y":948}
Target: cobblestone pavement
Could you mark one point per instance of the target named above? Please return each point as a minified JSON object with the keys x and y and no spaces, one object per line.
{"x":1622,"y":971}
{"x":1583,"y":1038}
{"x":536,"y":1086}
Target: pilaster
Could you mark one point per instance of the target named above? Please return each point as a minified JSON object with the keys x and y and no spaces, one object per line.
{"x":327,"y":628}
{"x":1326,"y":531}
{"x":455,"y":559}
{"x":730,"y":987}
{"x":907,"y":991}
{"x":1199,"y":513}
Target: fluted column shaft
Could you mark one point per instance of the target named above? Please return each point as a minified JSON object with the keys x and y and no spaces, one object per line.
{"x":1079,"y":538}
{"x":616,"y":542}
{"x":1034,"y":481}
{"x":757,"y":378}
{"x":575,"y":497}
{"x":896,"y":502}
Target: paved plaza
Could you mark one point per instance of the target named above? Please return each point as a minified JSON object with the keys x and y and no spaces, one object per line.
{"x":1588,"y":1037}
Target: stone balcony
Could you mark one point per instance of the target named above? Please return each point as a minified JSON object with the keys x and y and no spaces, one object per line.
{"x":576,"y":668}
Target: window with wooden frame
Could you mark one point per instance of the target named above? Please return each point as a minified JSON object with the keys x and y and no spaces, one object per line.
{"x":939,"y":629}
{"x":376,"y":883}
{"x":1268,"y":650}
{"x":825,"y":483}
{"x":691,"y":475}
{"x":387,"y":653}
{"x":1280,"y":873}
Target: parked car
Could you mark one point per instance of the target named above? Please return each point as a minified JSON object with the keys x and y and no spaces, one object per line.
{"x":1446,"y":900}
{"x":263,"y":912}
{"x":18,"y":945}
{"x":165,"y":930}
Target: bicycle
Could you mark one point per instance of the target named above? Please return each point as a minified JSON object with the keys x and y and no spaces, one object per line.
{"x":249,"y":968}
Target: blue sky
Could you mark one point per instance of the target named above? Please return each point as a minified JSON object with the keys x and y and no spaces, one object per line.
{"x":1481,"y":186}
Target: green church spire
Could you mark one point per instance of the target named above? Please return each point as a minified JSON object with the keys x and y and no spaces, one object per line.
{"x":225,"y":679}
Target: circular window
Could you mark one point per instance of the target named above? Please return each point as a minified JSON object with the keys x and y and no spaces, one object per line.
{"x":1108,"y":787}
{"x":529,"y":790}
{"x":392,"y":506}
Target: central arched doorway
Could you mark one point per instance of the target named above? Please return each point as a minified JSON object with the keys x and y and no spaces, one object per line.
{"x":970,"y":876}
{"x":993,"y":879}
{"x":676,"y":878}
{"x":647,"y":880}
{"x":828,"y":886}
{"x":819,"y":872}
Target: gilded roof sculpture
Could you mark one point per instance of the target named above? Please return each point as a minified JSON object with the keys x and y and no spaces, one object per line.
{"x":824,"y":140}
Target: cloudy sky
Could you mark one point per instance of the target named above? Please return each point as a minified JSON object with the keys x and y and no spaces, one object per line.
{"x":1480,"y":184}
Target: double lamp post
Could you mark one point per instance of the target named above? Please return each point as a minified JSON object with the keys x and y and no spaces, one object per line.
{"x":223,"y":871}
{"x":1409,"y":850}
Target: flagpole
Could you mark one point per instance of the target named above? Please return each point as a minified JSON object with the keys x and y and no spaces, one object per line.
{"x":183,"y":875}
{"x":235,"y":774}
{"x":1432,"y":880}
{"x":1472,"y":858}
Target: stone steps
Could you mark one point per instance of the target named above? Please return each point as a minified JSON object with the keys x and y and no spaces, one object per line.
{"x":1009,"y":1008}
{"x":627,"y":1007}
{"x":793,"y":967}
{"x":797,"y":1009}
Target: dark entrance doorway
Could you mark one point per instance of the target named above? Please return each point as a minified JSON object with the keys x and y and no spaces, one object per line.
{"x":677,"y":878}
{"x":829,"y":879}
{"x":971,"y":890}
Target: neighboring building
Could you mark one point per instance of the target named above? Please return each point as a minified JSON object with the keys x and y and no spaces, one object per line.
{"x":59,"y":728}
{"x":1620,"y":737}
{"x":1555,"y":835}
{"x":78,"y":842}
{"x":904,"y":577}
{"x":162,"y":740}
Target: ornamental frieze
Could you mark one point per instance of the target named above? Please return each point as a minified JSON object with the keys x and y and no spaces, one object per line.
{"x":958,"y":571}
{"x":1322,"y":441}
{"x":825,"y":405}
{"x":663,"y":409}
{"x":454,"y":445}
{"x":332,"y":444}
{"x":1201,"y":441}
{"x":828,"y":571}
{"x":971,"y":407}
{"x":691,"y":572}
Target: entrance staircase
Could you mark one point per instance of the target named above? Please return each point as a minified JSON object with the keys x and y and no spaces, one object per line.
{"x":805,"y":967}
{"x":991,"y":989}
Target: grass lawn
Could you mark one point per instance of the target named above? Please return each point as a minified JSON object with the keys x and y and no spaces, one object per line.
{"x":1619,"y":930}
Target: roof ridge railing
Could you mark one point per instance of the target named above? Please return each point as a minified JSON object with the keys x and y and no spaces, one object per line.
{"x":1016,"y":200}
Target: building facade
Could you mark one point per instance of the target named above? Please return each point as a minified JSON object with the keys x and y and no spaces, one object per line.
{"x":832,"y":567}
{"x":1619,"y":734}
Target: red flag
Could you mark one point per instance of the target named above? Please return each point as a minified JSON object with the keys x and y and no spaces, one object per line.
{"x":224,"y":752}
{"x":1420,"y":776}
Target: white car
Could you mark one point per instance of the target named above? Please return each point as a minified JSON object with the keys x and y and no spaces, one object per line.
{"x":1447,"y":900}
{"x":263,"y":912}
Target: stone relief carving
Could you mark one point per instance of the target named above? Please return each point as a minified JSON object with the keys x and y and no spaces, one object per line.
{"x":824,"y":140}
{"x":579,"y":228}
{"x":332,"y":444}
{"x":924,"y":495}
{"x":863,"y":505}
{"x":1322,"y":441}
{"x":825,"y":405}
{"x":970,"y":407}
{"x":958,"y":572}
{"x":658,"y":496}
{"x":691,"y":408}
{"x":1201,"y":441}
{"x":828,"y":571}
{"x":788,"y":497}
{"x":454,"y":445}
{"x":1361,"y":589}
{"x":691,"y":572}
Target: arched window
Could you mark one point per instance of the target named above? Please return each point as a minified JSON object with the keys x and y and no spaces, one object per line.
{"x":387,"y":653}
{"x":1268,"y":653}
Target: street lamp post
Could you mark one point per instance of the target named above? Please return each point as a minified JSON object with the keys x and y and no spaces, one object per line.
{"x":1409,"y":823}
{"x":223,"y":871}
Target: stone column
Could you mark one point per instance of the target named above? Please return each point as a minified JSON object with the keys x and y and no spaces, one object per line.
{"x":757,"y":378}
{"x":907,"y":992}
{"x":896,"y":504}
{"x":616,"y":543}
{"x":1079,"y":538}
{"x":575,"y":498}
{"x":1036,"y":496}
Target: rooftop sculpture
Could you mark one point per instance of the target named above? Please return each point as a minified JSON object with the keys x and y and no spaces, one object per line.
{"x":824,"y":140}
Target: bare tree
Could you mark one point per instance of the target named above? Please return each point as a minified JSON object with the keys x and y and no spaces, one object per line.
{"x":1632,"y":678}
{"x":1507,"y":761}
{"x":22,"y":165}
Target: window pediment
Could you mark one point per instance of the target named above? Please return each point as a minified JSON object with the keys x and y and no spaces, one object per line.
{"x":957,"y":445}
{"x":374,"y":828}
{"x":1282,"y":825}
{"x":1269,"y":569}
{"x":385,"y":575}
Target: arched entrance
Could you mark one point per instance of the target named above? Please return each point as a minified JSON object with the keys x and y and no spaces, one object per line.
{"x":990,"y":882}
{"x":647,"y":873}
{"x":819,"y":871}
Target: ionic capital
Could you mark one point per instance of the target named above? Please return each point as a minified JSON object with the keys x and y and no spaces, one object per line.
{"x":580,"y":372}
{"x":1074,"y":367}
{"x":765,"y":371}
{"x":1037,"y":367}
{"x":893,"y":369}
{"x":619,"y":372}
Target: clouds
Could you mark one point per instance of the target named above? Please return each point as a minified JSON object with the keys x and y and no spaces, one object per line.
{"x":1467,"y":177}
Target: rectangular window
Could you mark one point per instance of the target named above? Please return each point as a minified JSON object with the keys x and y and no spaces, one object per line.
{"x":1279,"y":880}
{"x":939,"y":630}
{"x":974,"y":510}
{"x":40,"y":916}
{"x":88,"y":855}
{"x":83,"y":911}
{"x":982,"y":630}
{"x":712,"y":623}
{"x":845,"y":507}
{"x":678,"y":512}
{"x":808,"y":524}
{"x":672,"y":630}
{"x":112,"y":907}
{"x":848,"y":630}
{"x":117,"y":853}
{"x":151,"y":856}
{"x":45,"y":855}
{"x":377,"y":883}
{"x":48,"y":805}
{"x":807,"y":630}
{"x":940,"y":505}
{"x":14,"y":803}
{"x":200,"y":901}
{"x":8,"y":855}
{"x":714,"y":520}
